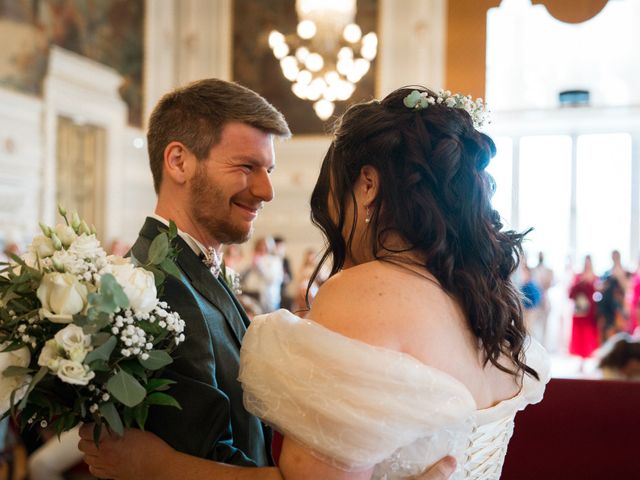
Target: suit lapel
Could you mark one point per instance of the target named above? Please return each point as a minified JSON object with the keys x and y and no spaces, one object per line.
{"x":204,"y":282}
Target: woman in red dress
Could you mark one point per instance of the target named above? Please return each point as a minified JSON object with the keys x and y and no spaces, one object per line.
{"x":584,"y":332}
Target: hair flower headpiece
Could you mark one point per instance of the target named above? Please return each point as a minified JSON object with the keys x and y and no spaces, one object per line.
{"x":477,"y":109}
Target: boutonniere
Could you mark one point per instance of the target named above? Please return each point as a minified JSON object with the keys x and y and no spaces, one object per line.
{"x":231,"y":278}
{"x":215,"y":262}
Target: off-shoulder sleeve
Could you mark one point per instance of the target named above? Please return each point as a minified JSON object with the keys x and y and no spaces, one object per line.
{"x":350,"y":403}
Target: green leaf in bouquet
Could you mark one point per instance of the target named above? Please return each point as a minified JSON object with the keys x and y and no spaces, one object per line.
{"x":14,"y":371}
{"x":110,"y":413}
{"x":110,"y":297}
{"x":157,"y":359}
{"x":159,"y":249}
{"x":34,"y":381}
{"x":173,"y":230}
{"x":126,"y":389}
{"x":158,"y":275}
{"x":134,"y":368}
{"x":103,"y":352}
{"x":80,"y":320}
{"x":159,"y":398}
{"x":170,"y":267}
{"x":99,"y":366}
{"x":97,"y":321}
{"x":98,"y":339}
{"x":128,"y":416}
{"x":141,"y":412}
{"x":159,"y":384}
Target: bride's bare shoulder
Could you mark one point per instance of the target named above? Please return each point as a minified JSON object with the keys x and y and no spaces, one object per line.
{"x":365,"y":301}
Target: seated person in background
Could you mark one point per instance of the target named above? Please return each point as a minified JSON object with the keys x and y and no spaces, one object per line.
{"x":622,"y":360}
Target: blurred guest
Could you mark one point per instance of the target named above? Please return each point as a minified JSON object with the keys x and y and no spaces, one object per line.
{"x":634,"y":301}
{"x":617,"y":271}
{"x":531,"y":300}
{"x":300,"y":283}
{"x":281,"y":251}
{"x":233,"y":257}
{"x":11,"y":248}
{"x":612,"y":317}
{"x":250,"y":305}
{"x":584,"y":332}
{"x":118,"y":247}
{"x":621,"y":358}
{"x":543,"y":277}
{"x":264,"y":277}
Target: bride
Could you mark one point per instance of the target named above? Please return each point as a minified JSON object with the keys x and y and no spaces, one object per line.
{"x":415,"y":347}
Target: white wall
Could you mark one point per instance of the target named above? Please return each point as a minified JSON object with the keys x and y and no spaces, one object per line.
{"x":21,"y":154}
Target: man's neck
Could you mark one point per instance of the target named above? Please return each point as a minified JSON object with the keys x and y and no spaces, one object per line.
{"x":185,"y":223}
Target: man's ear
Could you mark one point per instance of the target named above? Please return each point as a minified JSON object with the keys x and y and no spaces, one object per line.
{"x":179,"y":162}
{"x":368,"y":185}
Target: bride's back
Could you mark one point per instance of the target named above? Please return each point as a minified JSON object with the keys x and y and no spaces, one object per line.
{"x":391,"y":306}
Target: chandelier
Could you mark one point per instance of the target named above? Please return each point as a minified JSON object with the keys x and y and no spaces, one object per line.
{"x":327,"y":56}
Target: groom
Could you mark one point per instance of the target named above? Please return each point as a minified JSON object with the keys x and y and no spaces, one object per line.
{"x":211,"y":155}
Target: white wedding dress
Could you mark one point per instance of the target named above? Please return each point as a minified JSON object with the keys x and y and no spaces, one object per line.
{"x":356,"y":405}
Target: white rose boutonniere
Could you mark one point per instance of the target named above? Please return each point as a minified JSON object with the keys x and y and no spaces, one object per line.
{"x":62,"y":296}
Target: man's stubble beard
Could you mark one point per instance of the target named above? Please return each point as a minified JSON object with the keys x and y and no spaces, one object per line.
{"x":205,"y":196}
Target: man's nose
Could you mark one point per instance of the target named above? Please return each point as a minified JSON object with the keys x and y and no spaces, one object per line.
{"x":262,"y":187}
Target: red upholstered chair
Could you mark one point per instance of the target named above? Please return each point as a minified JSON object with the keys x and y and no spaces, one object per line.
{"x":583,"y":429}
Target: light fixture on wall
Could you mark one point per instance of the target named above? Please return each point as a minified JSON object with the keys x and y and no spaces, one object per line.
{"x":327,"y":55}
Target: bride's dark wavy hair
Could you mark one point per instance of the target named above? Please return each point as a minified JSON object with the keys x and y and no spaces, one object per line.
{"x":435,"y":193}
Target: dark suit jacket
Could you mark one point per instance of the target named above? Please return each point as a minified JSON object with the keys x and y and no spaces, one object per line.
{"x":213,"y":422}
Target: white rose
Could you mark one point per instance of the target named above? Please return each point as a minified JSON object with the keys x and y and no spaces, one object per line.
{"x":74,"y":373}
{"x":50,"y":355}
{"x":17,"y":358}
{"x":42,"y":246}
{"x":139,"y":286}
{"x":62,"y":296}
{"x":65,"y":233}
{"x":74,"y":342}
{"x":87,"y":246}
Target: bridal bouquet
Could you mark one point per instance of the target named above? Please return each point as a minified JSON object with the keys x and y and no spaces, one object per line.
{"x":83,"y":334}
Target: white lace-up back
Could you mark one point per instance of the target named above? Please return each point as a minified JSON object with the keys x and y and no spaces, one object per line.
{"x":356,"y":405}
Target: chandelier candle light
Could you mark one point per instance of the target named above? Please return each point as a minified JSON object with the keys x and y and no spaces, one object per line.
{"x":327,"y":56}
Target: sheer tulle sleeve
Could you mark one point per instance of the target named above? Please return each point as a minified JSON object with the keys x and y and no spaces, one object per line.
{"x":350,"y":403}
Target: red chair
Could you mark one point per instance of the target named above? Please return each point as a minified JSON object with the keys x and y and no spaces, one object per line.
{"x":583,"y":429}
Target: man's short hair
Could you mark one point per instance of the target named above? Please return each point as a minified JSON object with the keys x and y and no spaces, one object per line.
{"x":196,"y":114}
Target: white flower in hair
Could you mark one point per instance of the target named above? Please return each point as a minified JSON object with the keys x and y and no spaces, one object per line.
{"x":477,"y":109}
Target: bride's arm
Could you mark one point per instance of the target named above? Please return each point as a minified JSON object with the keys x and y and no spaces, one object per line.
{"x":143,"y":455}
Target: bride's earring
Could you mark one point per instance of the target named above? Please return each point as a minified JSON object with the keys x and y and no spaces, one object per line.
{"x":367,"y":218}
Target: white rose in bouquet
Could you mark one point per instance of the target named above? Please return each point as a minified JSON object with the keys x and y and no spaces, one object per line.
{"x":15,"y":358}
{"x":86,"y":246}
{"x":74,"y":341}
{"x":61,"y":296}
{"x":66,"y":234}
{"x":50,"y":355}
{"x":74,"y":373}
{"x":139,"y":286}
{"x":42,"y":246}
